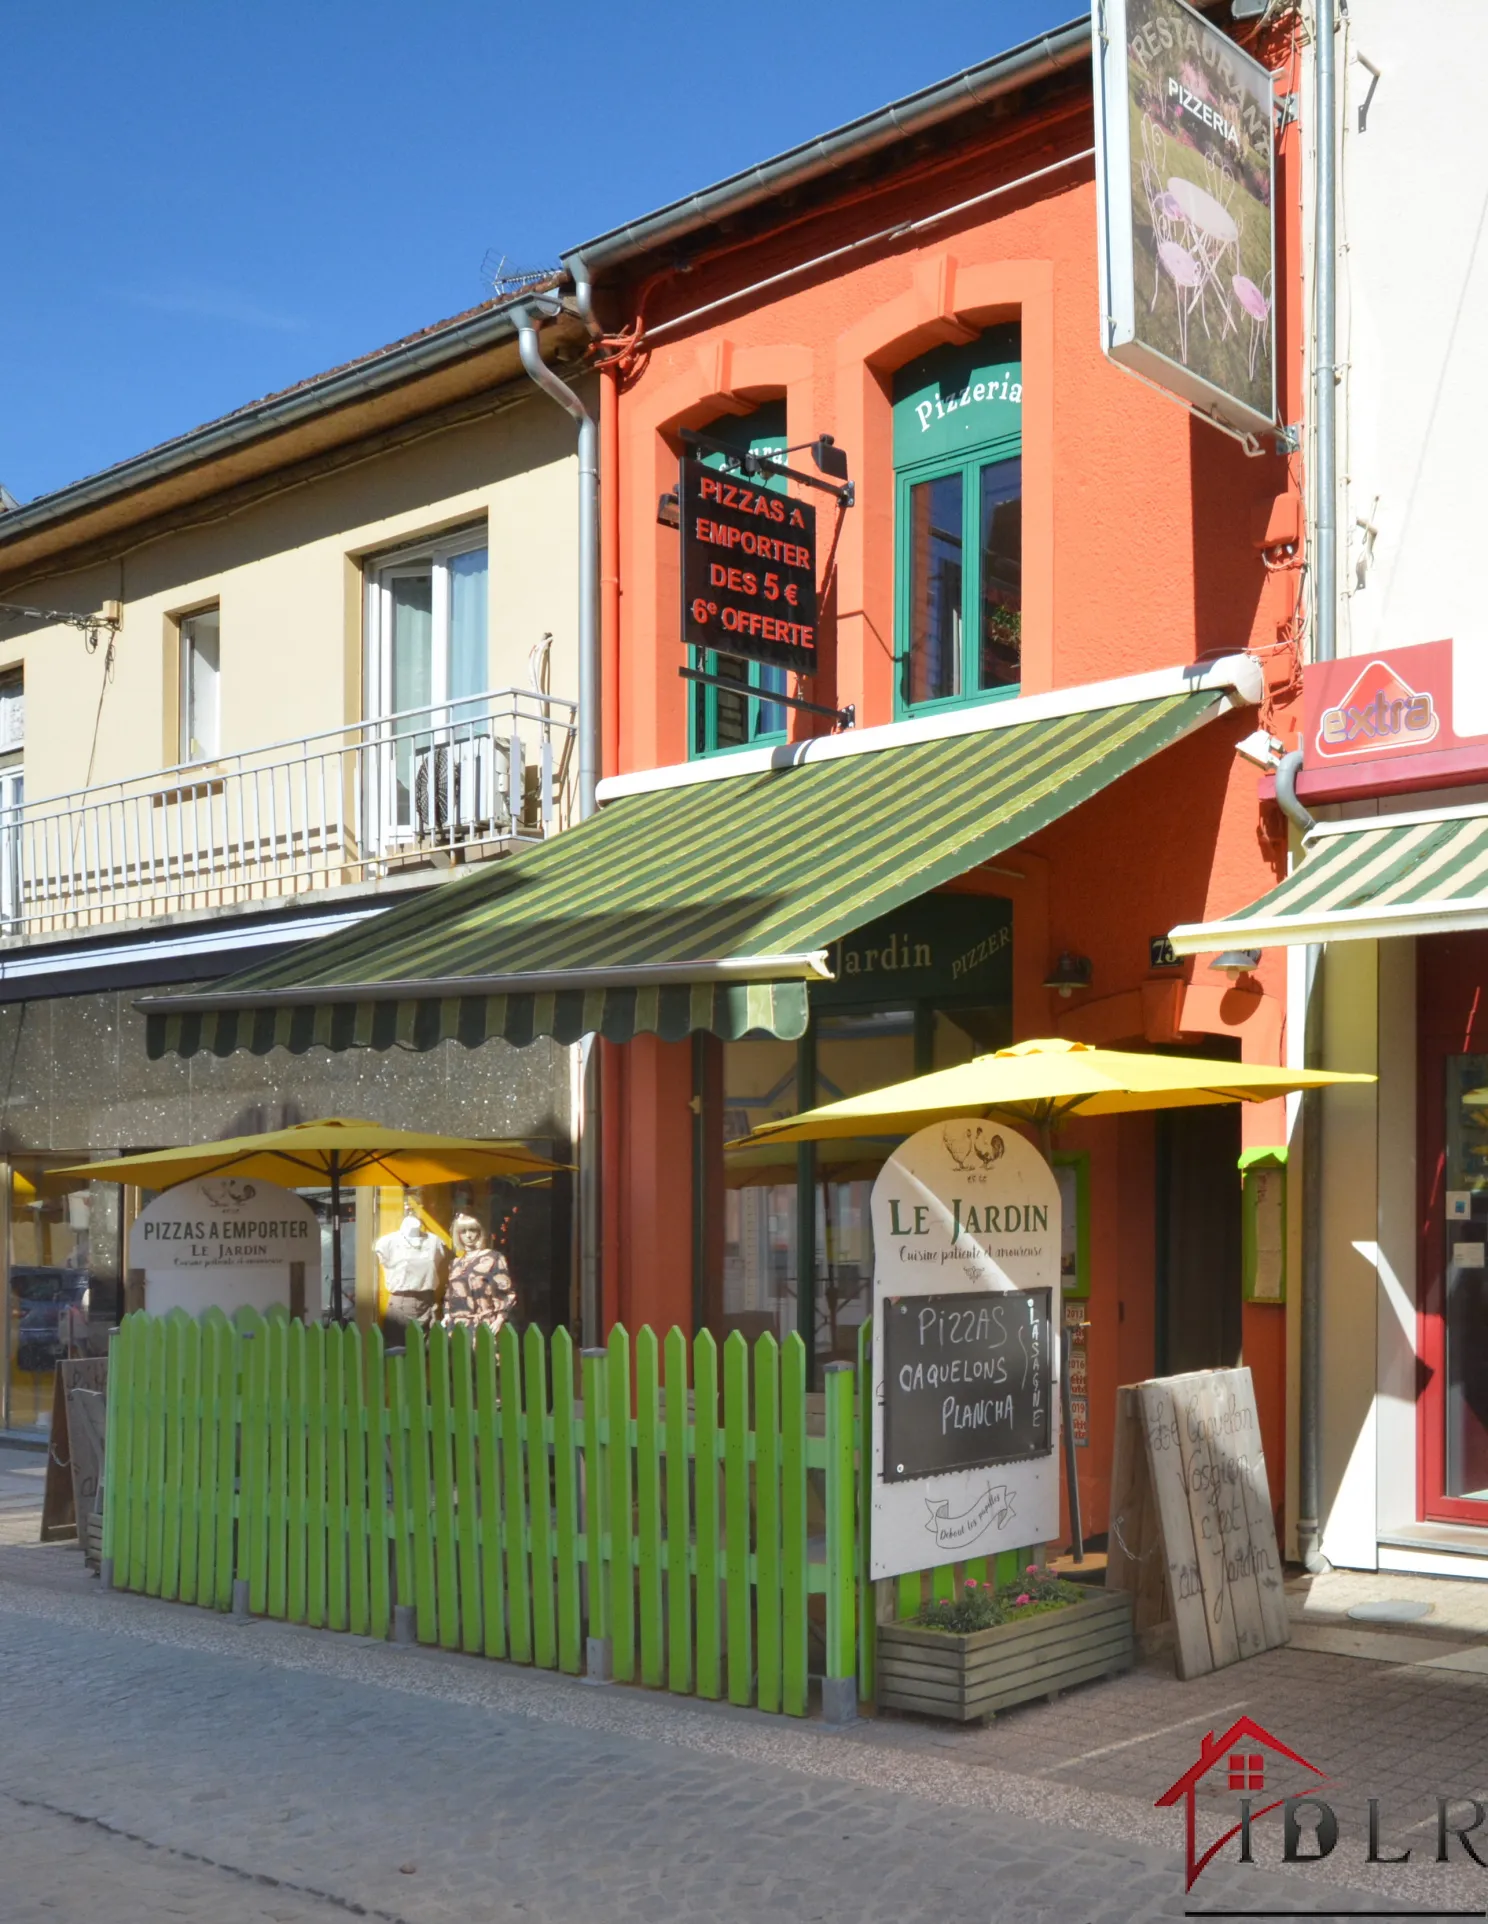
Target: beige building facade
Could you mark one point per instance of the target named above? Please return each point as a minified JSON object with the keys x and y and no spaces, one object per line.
{"x":296,"y":666}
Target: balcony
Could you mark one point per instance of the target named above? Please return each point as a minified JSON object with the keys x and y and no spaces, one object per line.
{"x":426,"y":787}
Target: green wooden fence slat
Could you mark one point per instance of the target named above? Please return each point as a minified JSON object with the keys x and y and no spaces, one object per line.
{"x":678,"y":1517}
{"x":139,"y":1455}
{"x":315,"y":1477}
{"x":228,"y":1365}
{"x":336,"y":1545}
{"x":172,"y":1445}
{"x":442,"y":1439}
{"x":127,"y":1419}
{"x":155,"y":1455}
{"x":379,"y":1612}
{"x":276,"y":1508}
{"x":621,"y":1508}
{"x":705,"y":1456}
{"x":867,"y":1597}
{"x":487,"y":1419}
{"x":842,"y":1570}
{"x":596,"y":1492}
{"x":191,"y":1428}
{"x":420,"y":1480}
{"x":648,"y":1505}
{"x":736,"y":1517}
{"x":943,"y":1583}
{"x":467,"y":1502}
{"x":115,"y":1446}
{"x":514,"y":1499}
{"x":295,"y":1521}
{"x":364,"y":1503}
{"x":566,"y":1502}
{"x":397,"y":1381}
{"x":908,"y":1595}
{"x":767,"y":1517}
{"x":794,"y":1577}
{"x":518,"y":1595}
{"x":539,"y":1499}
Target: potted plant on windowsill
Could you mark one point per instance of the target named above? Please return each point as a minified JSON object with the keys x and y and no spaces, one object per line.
{"x":989,"y":1648}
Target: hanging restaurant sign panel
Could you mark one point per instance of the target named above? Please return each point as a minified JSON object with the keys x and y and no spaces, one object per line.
{"x":1185,"y":171}
{"x":748,"y":568}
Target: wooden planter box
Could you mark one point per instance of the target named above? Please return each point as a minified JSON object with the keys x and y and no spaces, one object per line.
{"x":942,"y":1675}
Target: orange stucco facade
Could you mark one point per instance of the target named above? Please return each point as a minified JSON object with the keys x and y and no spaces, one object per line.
{"x":1142,"y":531}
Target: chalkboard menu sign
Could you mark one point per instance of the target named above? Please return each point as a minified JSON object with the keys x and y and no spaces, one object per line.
{"x":966,"y":1382}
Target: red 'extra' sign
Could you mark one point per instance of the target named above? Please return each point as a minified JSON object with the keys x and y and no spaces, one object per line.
{"x":748,"y":569}
{"x":1365,"y":707}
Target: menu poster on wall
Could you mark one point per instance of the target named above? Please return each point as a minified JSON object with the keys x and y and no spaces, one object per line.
{"x":748,"y":568}
{"x":1184,"y":172}
{"x":965,"y":1369}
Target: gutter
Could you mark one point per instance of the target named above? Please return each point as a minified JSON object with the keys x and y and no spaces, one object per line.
{"x":804,"y":966}
{"x":1039,"y":59}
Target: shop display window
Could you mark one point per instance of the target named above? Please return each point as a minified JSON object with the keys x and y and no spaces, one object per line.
{"x":62,"y":1281}
{"x":1465,"y":1283}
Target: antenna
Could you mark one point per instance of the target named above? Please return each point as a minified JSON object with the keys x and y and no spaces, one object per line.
{"x":502,"y":279}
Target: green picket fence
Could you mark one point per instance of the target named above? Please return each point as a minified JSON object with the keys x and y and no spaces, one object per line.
{"x":519,"y":1497}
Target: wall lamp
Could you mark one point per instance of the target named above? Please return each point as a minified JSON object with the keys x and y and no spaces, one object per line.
{"x":1069,"y":973}
{"x":1237,"y":962}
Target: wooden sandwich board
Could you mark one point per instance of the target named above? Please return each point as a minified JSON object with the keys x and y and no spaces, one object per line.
{"x":1192,"y":1533}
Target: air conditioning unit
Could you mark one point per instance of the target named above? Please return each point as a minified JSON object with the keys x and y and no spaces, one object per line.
{"x":456,"y":793}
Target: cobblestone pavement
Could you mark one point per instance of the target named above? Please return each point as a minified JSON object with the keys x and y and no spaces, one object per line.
{"x":158,"y":1761}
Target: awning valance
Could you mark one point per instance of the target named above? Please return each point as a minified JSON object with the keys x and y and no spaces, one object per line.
{"x":705,"y":906}
{"x":1418,"y":874}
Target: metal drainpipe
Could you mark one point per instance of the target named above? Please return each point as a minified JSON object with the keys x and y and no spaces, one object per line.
{"x":1324,"y":647}
{"x":528,"y":316}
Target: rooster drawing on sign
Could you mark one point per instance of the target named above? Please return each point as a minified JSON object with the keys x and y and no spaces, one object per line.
{"x":958,"y":1143}
{"x":986,"y":1152}
{"x":228,"y":1192}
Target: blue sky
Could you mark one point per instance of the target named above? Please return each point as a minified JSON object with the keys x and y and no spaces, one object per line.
{"x":205,"y":202}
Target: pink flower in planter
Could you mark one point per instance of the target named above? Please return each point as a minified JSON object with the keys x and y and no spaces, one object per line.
{"x":1025,"y":1598}
{"x":1031,"y":1571}
{"x":971,"y":1583}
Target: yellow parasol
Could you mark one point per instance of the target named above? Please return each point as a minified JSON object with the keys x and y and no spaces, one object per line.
{"x":1041,"y":1084}
{"x":333,"y":1151}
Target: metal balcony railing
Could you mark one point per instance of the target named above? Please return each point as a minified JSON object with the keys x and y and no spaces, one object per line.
{"x":352,"y":804}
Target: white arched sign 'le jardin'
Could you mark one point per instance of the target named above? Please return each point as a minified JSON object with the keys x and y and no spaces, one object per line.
{"x":966,"y":1249}
{"x":223,"y":1241}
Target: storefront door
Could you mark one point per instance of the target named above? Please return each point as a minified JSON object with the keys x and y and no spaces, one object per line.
{"x":1452,"y":1411}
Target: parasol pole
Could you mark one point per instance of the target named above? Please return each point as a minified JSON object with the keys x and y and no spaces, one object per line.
{"x":337,"y":1303}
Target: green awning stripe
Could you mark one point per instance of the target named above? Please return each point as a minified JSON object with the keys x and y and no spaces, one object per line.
{"x":775,"y":863}
{"x":1389,"y":877}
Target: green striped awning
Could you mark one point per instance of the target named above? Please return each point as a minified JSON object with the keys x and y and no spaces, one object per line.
{"x":705,"y":906}
{"x":1417,"y":874}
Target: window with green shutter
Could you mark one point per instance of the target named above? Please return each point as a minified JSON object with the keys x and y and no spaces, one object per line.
{"x":723,"y":719}
{"x":958,"y":442}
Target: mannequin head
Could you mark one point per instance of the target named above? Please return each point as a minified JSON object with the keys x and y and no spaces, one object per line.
{"x":413,"y":1227}
{"x":468,"y":1235}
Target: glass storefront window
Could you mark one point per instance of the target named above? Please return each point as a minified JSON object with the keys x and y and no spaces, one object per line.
{"x":62,"y":1281}
{"x":1466,"y":1321}
{"x":759,"y":1198}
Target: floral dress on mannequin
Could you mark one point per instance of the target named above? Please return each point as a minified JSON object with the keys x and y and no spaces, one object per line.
{"x":480,"y":1288}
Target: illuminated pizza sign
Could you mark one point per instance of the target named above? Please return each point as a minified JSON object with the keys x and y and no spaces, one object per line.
{"x":748,"y":568}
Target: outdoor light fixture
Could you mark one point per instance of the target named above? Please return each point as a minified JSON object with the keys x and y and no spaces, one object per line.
{"x":1237,"y":962}
{"x":1069,"y":973}
{"x":1263,"y":749}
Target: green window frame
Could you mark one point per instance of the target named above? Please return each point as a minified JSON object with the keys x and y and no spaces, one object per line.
{"x":721,"y":722}
{"x":958,"y":447}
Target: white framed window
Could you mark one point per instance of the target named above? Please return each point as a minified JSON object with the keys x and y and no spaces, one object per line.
{"x":12,"y":790}
{"x":427,"y":655}
{"x":201,"y":686}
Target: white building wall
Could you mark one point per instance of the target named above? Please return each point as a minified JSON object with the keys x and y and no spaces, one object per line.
{"x":1413,"y":315}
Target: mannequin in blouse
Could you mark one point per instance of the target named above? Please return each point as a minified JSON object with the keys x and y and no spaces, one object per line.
{"x":413,"y":1264}
{"x":481,"y":1289}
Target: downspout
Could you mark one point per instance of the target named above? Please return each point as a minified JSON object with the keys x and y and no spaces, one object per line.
{"x":609,"y":525}
{"x":528,"y":316}
{"x":1324,"y":647}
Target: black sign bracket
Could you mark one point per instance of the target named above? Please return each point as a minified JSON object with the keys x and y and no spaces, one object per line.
{"x":823,"y":449}
{"x":844,"y":717}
